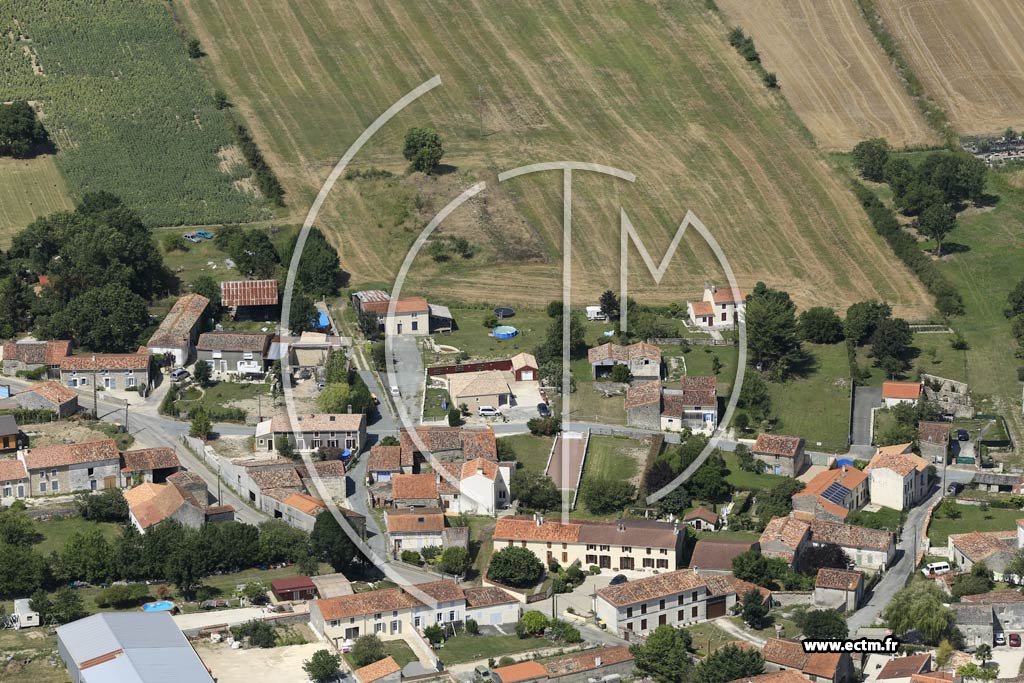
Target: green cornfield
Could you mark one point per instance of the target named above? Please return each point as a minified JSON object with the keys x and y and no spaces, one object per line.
{"x":129,"y":111}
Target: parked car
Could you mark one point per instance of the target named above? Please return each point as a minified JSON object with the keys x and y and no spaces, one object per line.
{"x":618,"y":579}
{"x":963,"y":435}
{"x":600,"y":623}
{"x":320,"y":386}
{"x":543,"y":410}
{"x":395,"y":392}
{"x":482,"y":671}
{"x":489,"y":411}
{"x":955,"y":488}
{"x":204,"y":234}
{"x":376,"y":401}
{"x":179,"y":375}
{"x":191,"y":237}
{"x":1000,"y":638}
{"x":1014,"y":640}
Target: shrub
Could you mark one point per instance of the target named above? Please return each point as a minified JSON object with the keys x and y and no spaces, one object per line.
{"x":410,"y":556}
{"x":516,"y":567}
{"x":506,"y":661}
{"x":434,"y":633}
{"x":430,"y":552}
{"x":620,"y":373}
{"x":544,"y":426}
{"x":259,"y":633}
{"x":531,"y":623}
{"x":472,"y":628}
{"x":368,"y":649}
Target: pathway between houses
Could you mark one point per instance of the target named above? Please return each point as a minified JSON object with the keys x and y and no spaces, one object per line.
{"x":726,"y":624}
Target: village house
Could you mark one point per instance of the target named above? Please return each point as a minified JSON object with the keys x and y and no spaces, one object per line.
{"x":52,"y":396}
{"x":331,"y":481}
{"x":151,"y":465}
{"x":901,"y":669}
{"x":149,"y":504}
{"x":294,"y":588}
{"x":702,"y":519}
{"x":628,"y":544}
{"x":484,"y":487}
{"x":309,"y":433}
{"x":789,"y":655}
{"x":833,"y":494}
{"x":840,"y":589}
{"x":784,"y":537}
{"x":29,"y":355}
{"x":784,"y":455}
{"x":643,"y":360}
{"x":388,"y":613}
{"x":384,"y":670}
{"x":415,"y":490}
{"x":414,"y":529}
{"x":718,"y":308}
{"x":14,"y":482}
{"x":604,"y":663}
{"x":250,"y":299}
{"x":491,"y":606}
{"x":643,"y":405}
{"x":715,"y":555}
{"x":678,"y":598}
{"x":445,"y":443}
{"x":178,"y":331}
{"x":10,"y":434}
{"x":694,"y":405}
{"x":370,"y":301}
{"x":412,"y":315}
{"x":897,"y":479}
{"x":933,"y":441}
{"x":895,"y":393}
{"x":996,"y":549}
{"x":299,"y":510}
{"x":233,"y":353}
{"x":869,"y":549}
{"x":384,"y":461}
{"x":785,"y":676}
{"x":68,"y":468}
{"x":124,"y":371}
{"x":483,"y":388}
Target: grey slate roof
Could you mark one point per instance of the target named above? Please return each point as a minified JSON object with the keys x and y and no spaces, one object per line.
{"x":8,"y":425}
{"x":131,"y":647}
{"x":979,"y":615}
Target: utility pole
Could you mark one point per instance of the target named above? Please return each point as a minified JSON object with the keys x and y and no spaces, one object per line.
{"x":95,"y":398}
{"x":259,"y":403}
{"x":126,"y":430}
{"x":480,"y":109}
{"x":219,"y":501}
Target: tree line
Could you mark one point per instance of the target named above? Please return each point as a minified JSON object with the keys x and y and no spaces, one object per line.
{"x":22,"y":135}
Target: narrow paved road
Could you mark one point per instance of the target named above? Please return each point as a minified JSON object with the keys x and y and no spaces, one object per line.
{"x":865,"y":399}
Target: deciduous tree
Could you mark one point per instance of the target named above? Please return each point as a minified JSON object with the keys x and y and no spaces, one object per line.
{"x":665,"y":656}
{"x":729,"y":663}
{"x":423,"y":149}
{"x":323,"y":666}
{"x":516,"y":567}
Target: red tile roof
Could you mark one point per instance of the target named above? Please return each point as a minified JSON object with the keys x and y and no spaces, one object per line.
{"x":701,"y":513}
{"x":153,"y":503}
{"x":249,"y":293}
{"x":786,"y":530}
{"x":53,"y":391}
{"x":488,"y":468}
{"x":233,"y":341}
{"x":726,"y":296}
{"x":305,"y":503}
{"x":70,"y":454}
{"x":587,"y":661}
{"x":107,"y":361}
{"x":413,"y":486}
{"x":777,"y":677}
{"x":901,"y":390}
{"x":175,"y":329}
{"x":377,"y":670}
{"x":523,"y":671}
{"x":149,"y":459}
{"x":320,"y":422}
{"x":487,"y":596}
{"x":293,"y":583}
{"x":698,"y":382}
{"x":445,"y":590}
{"x":933,"y":433}
{"x":904,"y":667}
{"x":902,"y":464}
{"x":385,"y":459}
{"x":849,"y":536}
{"x":777,"y":444}
{"x":717,"y":554}
{"x":787,"y":653}
{"x":838,"y":579}
{"x":525,"y":529}
{"x":702,"y":309}
{"x":12,"y":470}
{"x":371,"y":602}
{"x":643,"y":394}
{"x":419,"y":519}
{"x":624,"y":354}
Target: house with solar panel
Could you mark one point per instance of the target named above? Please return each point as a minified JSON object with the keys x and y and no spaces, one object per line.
{"x":833,"y":494}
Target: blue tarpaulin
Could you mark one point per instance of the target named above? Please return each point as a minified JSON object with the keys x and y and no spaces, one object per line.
{"x":322,"y":321}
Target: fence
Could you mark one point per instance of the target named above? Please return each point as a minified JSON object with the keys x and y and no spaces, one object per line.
{"x":469,"y":367}
{"x":693,"y":341}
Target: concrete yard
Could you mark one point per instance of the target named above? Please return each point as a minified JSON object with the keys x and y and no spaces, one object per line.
{"x":256,"y":665}
{"x":231,"y":617}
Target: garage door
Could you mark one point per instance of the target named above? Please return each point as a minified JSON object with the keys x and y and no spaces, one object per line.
{"x":527,"y":375}
{"x":716,"y":608}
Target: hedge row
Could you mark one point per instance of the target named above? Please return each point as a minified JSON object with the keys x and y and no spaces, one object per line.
{"x":906,"y":248}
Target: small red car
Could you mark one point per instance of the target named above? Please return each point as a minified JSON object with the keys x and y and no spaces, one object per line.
{"x":1014,"y":640}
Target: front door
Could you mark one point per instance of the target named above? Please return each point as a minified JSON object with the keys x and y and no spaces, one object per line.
{"x":626,"y":563}
{"x":778,"y":470}
{"x":604,"y":562}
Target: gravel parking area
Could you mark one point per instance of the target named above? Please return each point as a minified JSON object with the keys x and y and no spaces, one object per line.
{"x":256,"y":665}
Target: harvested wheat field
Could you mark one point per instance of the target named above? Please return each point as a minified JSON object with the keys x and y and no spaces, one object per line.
{"x":832,"y":71}
{"x":539,"y":81}
{"x":968,"y":54}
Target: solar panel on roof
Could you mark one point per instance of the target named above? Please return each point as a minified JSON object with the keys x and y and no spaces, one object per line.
{"x":835,"y":493}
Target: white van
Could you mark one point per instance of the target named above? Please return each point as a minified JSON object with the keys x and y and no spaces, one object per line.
{"x":595,"y":313}
{"x":936,"y":569}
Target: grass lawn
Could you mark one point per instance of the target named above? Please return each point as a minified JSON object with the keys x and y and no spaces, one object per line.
{"x":481,"y":529}
{"x":56,"y":532}
{"x":707,"y":638}
{"x":613,"y":457}
{"x":219,"y":394}
{"x":467,"y":648}
{"x":749,"y":481}
{"x":884,"y":518}
{"x":473,"y":338}
{"x":531,"y":451}
{"x":586,"y":404}
{"x":204,"y":258}
{"x":817,"y":405}
{"x":30,"y":189}
{"x":972,"y":518}
{"x":398,"y":649}
{"x":699,"y":359}
{"x":730,"y":535}
{"x":432,"y":409}
{"x":29,"y":650}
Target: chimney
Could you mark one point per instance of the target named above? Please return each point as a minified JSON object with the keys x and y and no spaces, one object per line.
{"x":437,"y":477}
{"x":696,"y":570}
{"x":349,"y":408}
{"x":844,"y":468}
{"x":540,"y":520}
{"x":480,"y":467}
{"x":675,"y":528}
{"x":620,"y":524}
{"x":597,"y":660}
